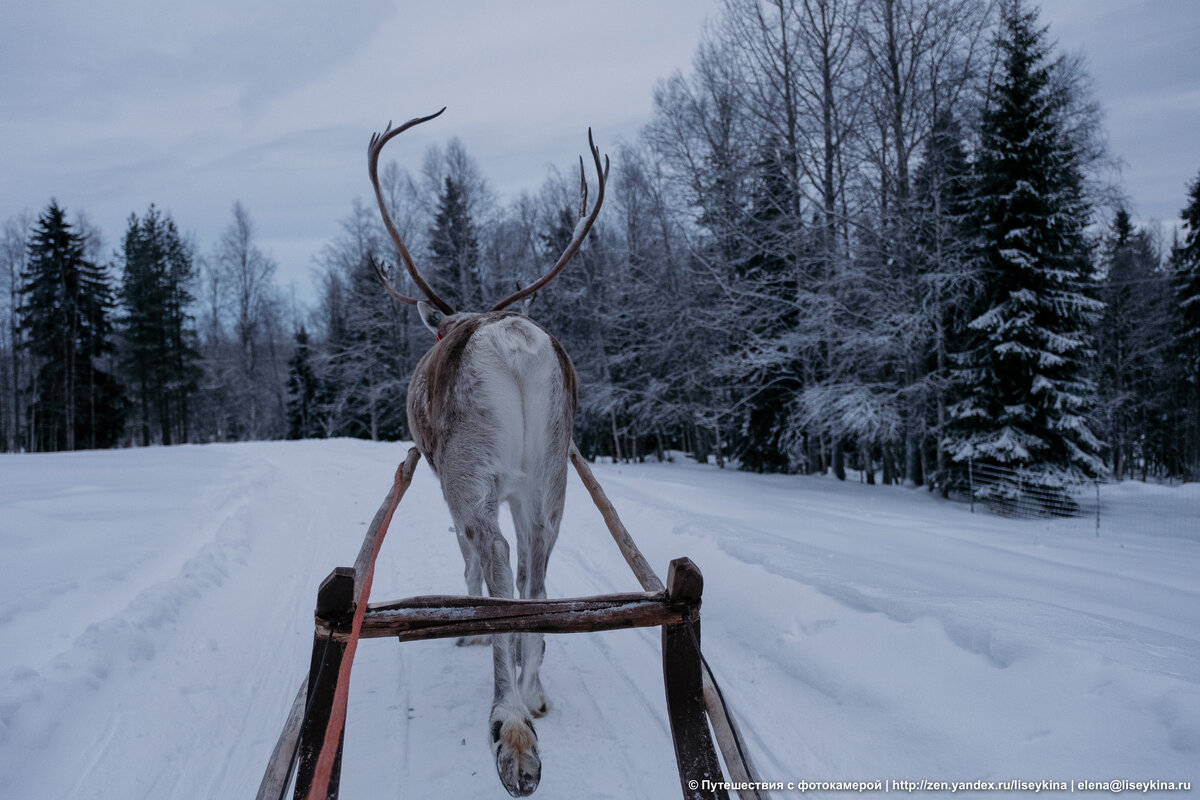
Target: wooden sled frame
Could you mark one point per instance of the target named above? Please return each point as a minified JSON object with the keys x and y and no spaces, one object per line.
{"x":693,"y":700}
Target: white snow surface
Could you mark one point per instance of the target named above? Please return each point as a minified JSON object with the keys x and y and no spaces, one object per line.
{"x":156,"y":620}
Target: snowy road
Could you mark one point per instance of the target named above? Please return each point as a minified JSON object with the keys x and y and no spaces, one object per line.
{"x":155,"y":607}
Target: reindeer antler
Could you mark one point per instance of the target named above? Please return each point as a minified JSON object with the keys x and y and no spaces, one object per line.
{"x":581,"y":228}
{"x":378,"y":140}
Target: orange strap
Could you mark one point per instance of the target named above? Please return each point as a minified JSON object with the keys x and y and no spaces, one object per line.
{"x":319,"y":790}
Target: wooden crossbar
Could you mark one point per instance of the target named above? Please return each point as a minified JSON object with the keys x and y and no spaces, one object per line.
{"x":473,"y":616}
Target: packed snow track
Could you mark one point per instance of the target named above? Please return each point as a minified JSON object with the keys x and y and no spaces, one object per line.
{"x":156,"y":614}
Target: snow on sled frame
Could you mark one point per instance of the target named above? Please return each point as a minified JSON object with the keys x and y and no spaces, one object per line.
{"x":316,"y":723}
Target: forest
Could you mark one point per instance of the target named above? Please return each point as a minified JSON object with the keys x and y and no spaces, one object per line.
{"x":883,"y":236}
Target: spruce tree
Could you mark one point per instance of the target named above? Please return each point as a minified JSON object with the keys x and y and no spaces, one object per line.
{"x":64,"y":311}
{"x":303,"y":392}
{"x":454,"y":249}
{"x":1130,"y":336}
{"x":371,"y":376}
{"x":768,"y":368}
{"x":1185,"y":281}
{"x":580,"y":307}
{"x":945,"y":240}
{"x":158,"y":353}
{"x":1025,"y":392}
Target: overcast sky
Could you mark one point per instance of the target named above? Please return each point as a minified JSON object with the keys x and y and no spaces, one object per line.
{"x":111,"y":105}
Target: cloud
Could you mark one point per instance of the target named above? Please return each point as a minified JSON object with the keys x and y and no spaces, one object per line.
{"x":67,"y":59}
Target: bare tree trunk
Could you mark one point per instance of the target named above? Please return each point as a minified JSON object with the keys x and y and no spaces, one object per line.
{"x":700,"y":443}
{"x":69,"y":384}
{"x":15,"y":387}
{"x":885,"y":461}
{"x":912,"y":457}
{"x":615,"y":436}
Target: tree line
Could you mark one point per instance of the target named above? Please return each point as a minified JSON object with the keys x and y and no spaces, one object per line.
{"x":153,"y":343}
{"x":872,"y":235}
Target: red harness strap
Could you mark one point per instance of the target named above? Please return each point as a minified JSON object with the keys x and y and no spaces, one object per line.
{"x":319,"y":790}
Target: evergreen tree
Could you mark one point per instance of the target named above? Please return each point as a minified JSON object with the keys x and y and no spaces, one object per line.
{"x":303,"y":393}
{"x":1130,"y":338}
{"x":639,"y":300}
{"x":158,"y":352}
{"x":580,"y":307}
{"x":368,"y":345}
{"x":371,"y":373}
{"x":944,"y":245}
{"x":65,"y":303}
{"x":767,"y":367}
{"x":1025,"y":391}
{"x":454,"y":248}
{"x":1185,"y":280}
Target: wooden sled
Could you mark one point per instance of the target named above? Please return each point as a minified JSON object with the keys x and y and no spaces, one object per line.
{"x":316,"y":722}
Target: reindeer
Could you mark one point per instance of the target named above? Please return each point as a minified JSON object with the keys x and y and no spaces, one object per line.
{"x":492,"y":407}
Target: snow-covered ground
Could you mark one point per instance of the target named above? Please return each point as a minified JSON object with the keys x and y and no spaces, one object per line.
{"x":156,"y":619}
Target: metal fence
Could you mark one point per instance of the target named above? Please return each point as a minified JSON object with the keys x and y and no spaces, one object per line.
{"x":1014,"y":493}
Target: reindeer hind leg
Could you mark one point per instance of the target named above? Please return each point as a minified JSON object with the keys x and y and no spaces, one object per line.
{"x":473,"y":573}
{"x":512,"y":735}
{"x":536,"y":531}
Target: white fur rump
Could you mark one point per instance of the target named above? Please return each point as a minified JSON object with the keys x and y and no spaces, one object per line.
{"x":518,"y":383}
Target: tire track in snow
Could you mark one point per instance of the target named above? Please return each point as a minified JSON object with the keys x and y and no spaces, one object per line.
{"x":888,"y":580}
{"x":1011,"y":606}
{"x":618,"y":674}
{"x":658,"y":530}
{"x":837,"y":687}
{"x":241,"y":605}
{"x":38,"y":702}
{"x":572,"y":567}
{"x":95,"y":754}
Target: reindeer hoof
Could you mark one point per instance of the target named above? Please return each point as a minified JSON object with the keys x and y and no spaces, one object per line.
{"x":535,"y":698}
{"x":514,"y":745}
{"x":537,"y":703}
